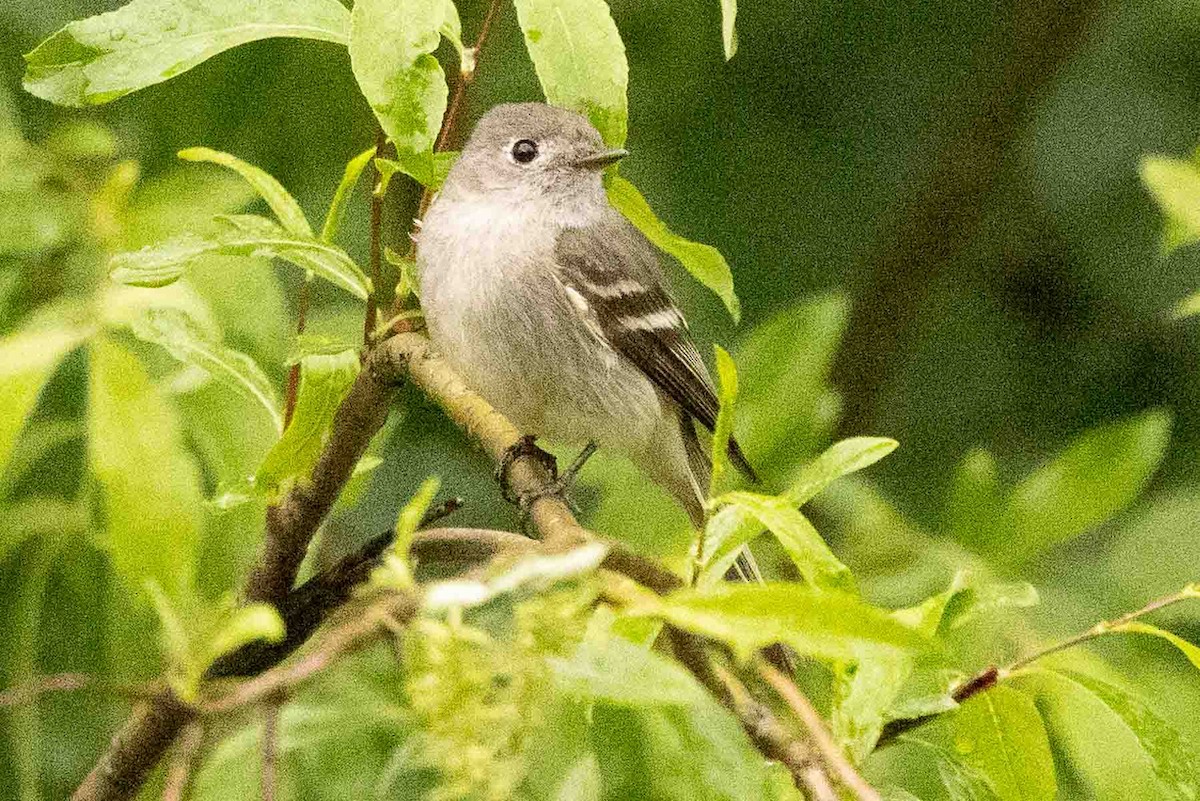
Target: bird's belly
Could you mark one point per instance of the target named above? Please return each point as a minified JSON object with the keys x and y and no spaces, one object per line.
{"x":516,"y":341}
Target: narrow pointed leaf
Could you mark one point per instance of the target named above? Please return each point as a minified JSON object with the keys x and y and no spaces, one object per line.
{"x":1097,"y":475}
{"x":579,"y":59}
{"x":704,"y":262}
{"x":799,"y":539}
{"x":175,"y":332}
{"x":284,"y":206}
{"x":825,"y":625}
{"x":1175,"y":185}
{"x":26,"y":361}
{"x":840,"y":459}
{"x":391,"y":42}
{"x":1000,"y":733}
{"x":1190,"y":650}
{"x":99,"y":59}
{"x":727,"y":375}
{"x":246,"y":235}
{"x":1119,"y":747}
{"x":337,"y":207}
{"x":733,"y":526}
{"x":324,"y":382}
{"x":729,"y":27}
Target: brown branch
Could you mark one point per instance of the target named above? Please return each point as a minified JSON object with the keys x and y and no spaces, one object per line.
{"x":269,"y":751}
{"x":179,"y":775}
{"x":292,"y":523}
{"x":59,"y":682}
{"x":804,"y":711}
{"x":357,"y":631}
{"x":941,"y":215}
{"x":136,"y":748}
{"x":293,"y":384}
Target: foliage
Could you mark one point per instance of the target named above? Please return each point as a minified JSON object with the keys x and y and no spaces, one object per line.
{"x":143,"y":437}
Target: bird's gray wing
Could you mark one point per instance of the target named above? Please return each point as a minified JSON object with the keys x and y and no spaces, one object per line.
{"x":614,"y":271}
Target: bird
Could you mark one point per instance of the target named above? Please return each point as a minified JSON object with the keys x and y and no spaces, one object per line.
{"x":554,"y":307}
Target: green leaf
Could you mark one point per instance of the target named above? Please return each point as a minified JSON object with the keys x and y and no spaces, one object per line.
{"x":390,"y":46}
{"x":728,"y":27}
{"x":579,"y":59}
{"x":647,"y":711}
{"x":1175,"y":185}
{"x":866,"y":688}
{"x":822,"y":624}
{"x":27,"y":359}
{"x":176,"y":333}
{"x":428,"y":169}
{"x":1000,"y":733}
{"x":285,"y":207}
{"x":610,"y":669}
{"x":244,"y":235}
{"x":974,"y":504}
{"x":246,"y":624}
{"x":840,"y":459}
{"x":1120,"y":748}
{"x":1190,"y":650}
{"x":788,"y":405}
{"x":152,"y":496}
{"x":337,"y":207}
{"x":395,"y":570}
{"x":727,"y":375}
{"x":1188,"y":307}
{"x":704,"y":262}
{"x":324,"y":382}
{"x":799,"y":539}
{"x":962,"y":781}
{"x":1097,"y":475}
{"x":145,"y":42}
{"x":733,"y":526}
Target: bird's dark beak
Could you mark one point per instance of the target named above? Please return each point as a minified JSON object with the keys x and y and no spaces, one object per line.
{"x":598,"y":161}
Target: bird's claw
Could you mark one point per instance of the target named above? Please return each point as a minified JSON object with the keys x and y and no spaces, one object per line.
{"x":525,"y":446}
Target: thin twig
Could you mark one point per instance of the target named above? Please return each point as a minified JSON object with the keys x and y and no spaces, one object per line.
{"x":811,"y":719}
{"x":356,"y":632}
{"x":449,"y":126}
{"x":179,"y":774}
{"x":376,"y":254}
{"x":29,"y":691}
{"x":293,"y":385}
{"x":990,"y":676}
{"x":269,"y":773}
{"x":1102,"y":628}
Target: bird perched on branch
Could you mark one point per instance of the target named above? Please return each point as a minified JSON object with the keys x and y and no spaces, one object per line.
{"x":553,"y":306}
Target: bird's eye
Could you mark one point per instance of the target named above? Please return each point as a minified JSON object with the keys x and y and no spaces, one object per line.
{"x":524,"y":151}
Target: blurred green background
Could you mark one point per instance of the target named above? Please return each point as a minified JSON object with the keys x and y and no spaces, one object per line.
{"x":956,"y":182}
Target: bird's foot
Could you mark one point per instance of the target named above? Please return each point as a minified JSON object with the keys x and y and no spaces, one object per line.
{"x":560,"y":487}
{"x":525,"y":446}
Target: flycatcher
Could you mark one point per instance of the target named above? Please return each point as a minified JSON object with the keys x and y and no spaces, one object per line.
{"x":553,"y":306}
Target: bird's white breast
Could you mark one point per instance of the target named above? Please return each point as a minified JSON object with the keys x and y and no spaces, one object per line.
{"x":497,"y":310}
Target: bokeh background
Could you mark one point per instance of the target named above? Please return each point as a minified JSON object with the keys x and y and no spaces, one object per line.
{"x":951,"y":186}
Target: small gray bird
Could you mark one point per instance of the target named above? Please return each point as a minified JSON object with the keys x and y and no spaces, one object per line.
{"x":553,"y":306}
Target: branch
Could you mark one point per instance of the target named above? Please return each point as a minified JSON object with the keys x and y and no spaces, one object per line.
{"x":942,"y":213}
{"x":989,"y":677}
{"x":179,"y":775}
{"x":119,"y":773}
